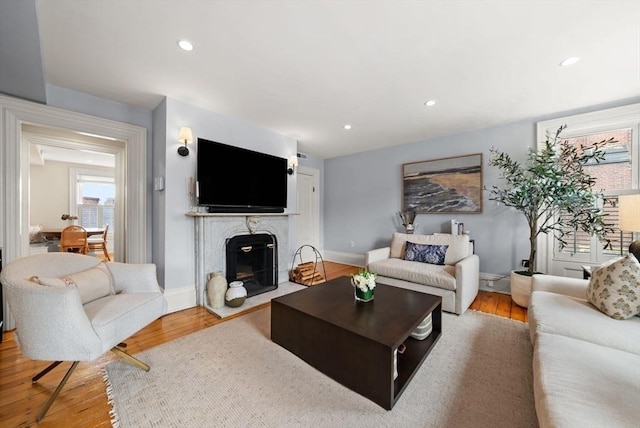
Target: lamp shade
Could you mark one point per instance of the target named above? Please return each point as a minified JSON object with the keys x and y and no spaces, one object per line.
{"x":629,"y":212}
{"x":185,"y":135}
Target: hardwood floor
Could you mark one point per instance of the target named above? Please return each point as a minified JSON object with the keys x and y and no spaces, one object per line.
{"x":83,"y":401}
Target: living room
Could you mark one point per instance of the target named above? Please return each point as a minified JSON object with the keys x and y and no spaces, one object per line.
{"x":361,"y":170}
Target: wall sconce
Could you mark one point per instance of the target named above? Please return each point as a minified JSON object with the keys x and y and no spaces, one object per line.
{"x":629,"y":216}
{"x":185,"y":137}
{"x":293,"y":163}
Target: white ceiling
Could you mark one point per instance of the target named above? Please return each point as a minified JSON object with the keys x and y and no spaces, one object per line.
{"x":40,"y":154}
{"x":307,"y":68}
{"x":46,"y":144}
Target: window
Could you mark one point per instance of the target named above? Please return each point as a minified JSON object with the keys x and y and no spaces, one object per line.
{"x":617,"y":174}
{"x":96,"y":197}
{"x":93,"y":197}
{"x":613,"y":175}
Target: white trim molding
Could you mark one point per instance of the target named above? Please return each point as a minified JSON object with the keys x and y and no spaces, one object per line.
{"x":344,"y":258}
{"x":181,"y":298}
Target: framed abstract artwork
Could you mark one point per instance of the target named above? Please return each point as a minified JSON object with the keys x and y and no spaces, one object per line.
{"x":447,"y":185}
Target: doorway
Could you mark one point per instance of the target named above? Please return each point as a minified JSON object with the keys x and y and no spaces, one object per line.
{"x":72,"y":175}
{"x":308,"y":208}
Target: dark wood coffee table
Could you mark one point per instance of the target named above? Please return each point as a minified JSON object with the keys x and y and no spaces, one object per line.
{"x":354,"y":342}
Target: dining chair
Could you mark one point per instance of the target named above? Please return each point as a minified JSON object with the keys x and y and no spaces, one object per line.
{"x":99,"y":243}
{"x":74,"y":239}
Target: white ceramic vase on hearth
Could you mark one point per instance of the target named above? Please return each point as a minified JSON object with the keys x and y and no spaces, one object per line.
{"x":216,"y":289}
{"x":236,"y":294}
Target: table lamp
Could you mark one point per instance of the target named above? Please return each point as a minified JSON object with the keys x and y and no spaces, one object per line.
{"x":629,"y":212}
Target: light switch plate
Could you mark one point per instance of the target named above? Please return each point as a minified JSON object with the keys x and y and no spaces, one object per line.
{"x":158,"y":183}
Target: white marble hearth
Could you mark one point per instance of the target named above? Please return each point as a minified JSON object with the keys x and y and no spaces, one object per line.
{"x":212,"y":232}
{"x":283,"y":289}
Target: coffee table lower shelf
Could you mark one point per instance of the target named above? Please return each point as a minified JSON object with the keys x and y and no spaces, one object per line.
{"x":360,"y":363}
{"x":410,"y":361}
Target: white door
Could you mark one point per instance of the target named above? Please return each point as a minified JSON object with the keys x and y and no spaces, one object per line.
{"x":308,"y":195}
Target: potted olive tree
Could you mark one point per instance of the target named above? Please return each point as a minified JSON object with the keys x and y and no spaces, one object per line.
{"x":552,"y":181}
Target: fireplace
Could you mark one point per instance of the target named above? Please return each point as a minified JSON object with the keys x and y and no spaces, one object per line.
{"x":214,"y":230}
{"x":253,"y":259}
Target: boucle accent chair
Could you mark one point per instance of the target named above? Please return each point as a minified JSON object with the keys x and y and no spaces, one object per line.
{"x":71,"y":307}
{"x":439,"y":264}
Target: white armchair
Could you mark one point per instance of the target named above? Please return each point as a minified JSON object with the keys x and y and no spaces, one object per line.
{"x":456,"y":280}
{"x":70,"y":307}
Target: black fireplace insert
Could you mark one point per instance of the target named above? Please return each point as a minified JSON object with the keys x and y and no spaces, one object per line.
{"x":253,"y":259}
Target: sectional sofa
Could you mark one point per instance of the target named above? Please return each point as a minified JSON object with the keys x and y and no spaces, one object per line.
{"x":586,"y":364}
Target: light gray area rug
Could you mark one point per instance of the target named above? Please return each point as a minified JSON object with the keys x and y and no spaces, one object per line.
{"x":232,"y":375}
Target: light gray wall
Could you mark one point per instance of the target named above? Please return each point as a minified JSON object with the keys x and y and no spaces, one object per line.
{"x":363,"y":194}
{"x":178,"y":262}
{"x":21,"y":71}
{"x":80,"y":102}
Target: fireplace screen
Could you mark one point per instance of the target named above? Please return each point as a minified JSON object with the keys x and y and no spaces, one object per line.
{"x":253,"y":259}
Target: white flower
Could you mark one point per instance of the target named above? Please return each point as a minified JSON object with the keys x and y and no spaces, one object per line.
{"x":364,"y":280}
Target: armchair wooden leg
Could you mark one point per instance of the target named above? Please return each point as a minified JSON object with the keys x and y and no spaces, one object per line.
{"x":51,"y":399}
{"x":129,"y":359}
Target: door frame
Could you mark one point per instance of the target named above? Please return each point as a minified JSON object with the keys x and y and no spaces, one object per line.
{"x":315,"y":173}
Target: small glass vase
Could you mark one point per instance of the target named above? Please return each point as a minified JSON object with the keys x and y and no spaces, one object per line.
{"x":363,"y":296}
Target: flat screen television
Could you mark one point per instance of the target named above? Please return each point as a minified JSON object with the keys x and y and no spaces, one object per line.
{"x":233,"y":179}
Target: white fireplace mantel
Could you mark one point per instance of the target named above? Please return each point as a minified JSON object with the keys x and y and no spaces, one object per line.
{"x":212,"y":230}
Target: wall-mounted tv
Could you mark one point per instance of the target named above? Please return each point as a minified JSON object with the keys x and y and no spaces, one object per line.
{"x":233,"y":179}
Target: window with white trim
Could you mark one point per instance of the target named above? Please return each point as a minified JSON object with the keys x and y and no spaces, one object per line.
{"x":93,"y":197}
{"x":613,"y":176}
{"x":617,"y":174}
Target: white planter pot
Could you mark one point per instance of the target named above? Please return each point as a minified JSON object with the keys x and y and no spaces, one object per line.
{"x":521,"y":289}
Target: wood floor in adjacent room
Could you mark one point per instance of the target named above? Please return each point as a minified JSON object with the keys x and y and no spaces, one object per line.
{"x":83,"y":401}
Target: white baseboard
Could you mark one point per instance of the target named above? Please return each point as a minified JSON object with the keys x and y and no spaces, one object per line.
{"x":180,"y":298}
{"x":344,"y":258}
{"x":495,"y":283}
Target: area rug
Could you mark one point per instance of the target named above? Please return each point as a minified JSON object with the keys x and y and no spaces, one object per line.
{"x":232,"y":375}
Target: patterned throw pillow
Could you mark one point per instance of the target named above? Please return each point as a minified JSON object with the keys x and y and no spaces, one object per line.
{"x":433,"y":254}
{"x":615,"y":288}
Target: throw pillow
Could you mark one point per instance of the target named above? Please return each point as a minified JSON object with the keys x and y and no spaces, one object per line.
{"x":92,"y":284}
{"x":425,"y":253}
{"x":615,"y":288}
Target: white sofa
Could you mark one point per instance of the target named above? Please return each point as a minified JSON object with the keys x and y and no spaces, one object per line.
{"x":586,"y":365}
{"x":456,"y":281}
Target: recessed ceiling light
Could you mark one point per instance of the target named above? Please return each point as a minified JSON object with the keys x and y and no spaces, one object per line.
{"x":347,"y":127}
{"x":430,"y":103}
{"x":185,"y":45}
{"x":570,"y":61}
